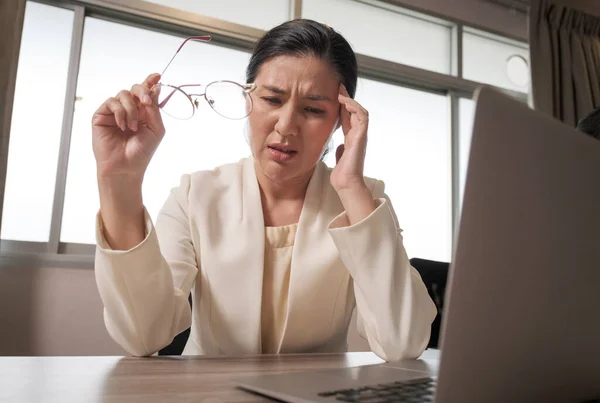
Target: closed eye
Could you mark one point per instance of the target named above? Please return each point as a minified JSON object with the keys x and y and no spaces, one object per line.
{"x":315,"y":111}
{"x":272,"y":100}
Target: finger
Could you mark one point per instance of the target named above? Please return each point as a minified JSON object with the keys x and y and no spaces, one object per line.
{"x":142,"y":93}
{"x":131,"y":107}
{"x":108,"y":120}
{"x":153,"y":117}
{"x":338,"y":153}
{"x":151,"y":80}
{"x":115,"y":108}
{"x":347,"y":98}
{"x":155,"y":92}
{"x":344,"y":91}
{"x":150,"y":83}
{"x":353,"y":104}
{"x":349,"y":107}
{"x":355,"y":109}
{"x":345,"y":118}
{"x":149,"y":101}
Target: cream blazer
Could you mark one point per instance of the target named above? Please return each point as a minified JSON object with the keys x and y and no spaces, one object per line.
{"x":209,"y":240}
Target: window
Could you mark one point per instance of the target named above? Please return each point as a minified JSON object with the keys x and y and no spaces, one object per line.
{"x":410,"y":145}
{"x":114,"y":57}
{"x":409,"y":149}
{"x":261,"y":14}
{"x":466,"y":110}
{"x":495,"y":60}
{"x":384,"y":32}
{"x":36,"y":123}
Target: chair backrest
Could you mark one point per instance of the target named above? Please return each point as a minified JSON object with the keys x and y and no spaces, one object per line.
{"x":435,"y":276}
{"x":178,"y":344}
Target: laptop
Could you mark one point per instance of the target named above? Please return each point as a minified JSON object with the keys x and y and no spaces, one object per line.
{"x":522,"y":319}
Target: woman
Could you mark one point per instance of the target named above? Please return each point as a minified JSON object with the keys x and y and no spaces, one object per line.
{"x":277,"y":249}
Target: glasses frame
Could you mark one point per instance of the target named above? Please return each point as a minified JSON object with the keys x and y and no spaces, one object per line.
{"x":246,"y":88}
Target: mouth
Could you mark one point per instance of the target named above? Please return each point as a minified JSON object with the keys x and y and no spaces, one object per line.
{"x":281,"y":153}
{"x":285,"y":150}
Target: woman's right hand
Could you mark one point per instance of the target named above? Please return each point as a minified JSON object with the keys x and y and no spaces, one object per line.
{"x":126,"y":131}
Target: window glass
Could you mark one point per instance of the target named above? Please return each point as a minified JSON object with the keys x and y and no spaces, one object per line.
{"x":113,"y":58}
{"x":385,"y":33}
{"x":36,"y":123}
{"x":494,"y":60}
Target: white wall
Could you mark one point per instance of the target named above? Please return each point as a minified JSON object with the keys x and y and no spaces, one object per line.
{"x":52,"y":311}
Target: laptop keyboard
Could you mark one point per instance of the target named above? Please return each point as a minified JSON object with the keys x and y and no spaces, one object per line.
{"x":415,"y":390}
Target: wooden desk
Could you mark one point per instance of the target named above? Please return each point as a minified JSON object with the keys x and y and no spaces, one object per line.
{"x":154,"y":379}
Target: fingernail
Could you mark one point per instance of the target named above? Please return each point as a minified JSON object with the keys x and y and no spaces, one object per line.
{"x":134,"y":125}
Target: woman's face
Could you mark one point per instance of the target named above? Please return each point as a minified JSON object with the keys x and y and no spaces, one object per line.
{"x":295,"y":109}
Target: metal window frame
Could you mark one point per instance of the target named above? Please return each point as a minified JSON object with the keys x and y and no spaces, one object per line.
{"x":67,"y":125}
{"x":174,"y":21}
{"x":495,"y":37}
{"x":295,"y":9}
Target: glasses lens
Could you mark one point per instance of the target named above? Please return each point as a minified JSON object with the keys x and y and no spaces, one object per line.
{"x":229,"y":99}
{"x":174,"y":102}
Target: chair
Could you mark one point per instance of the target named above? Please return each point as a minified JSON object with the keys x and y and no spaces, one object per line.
{"x":178,"y":344}
{"x":435,"y":276}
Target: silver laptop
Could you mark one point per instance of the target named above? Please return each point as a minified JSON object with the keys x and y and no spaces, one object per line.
{"x":522,"y":319}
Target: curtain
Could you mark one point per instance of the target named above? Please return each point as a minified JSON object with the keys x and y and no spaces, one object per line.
{"x":565,"y":60}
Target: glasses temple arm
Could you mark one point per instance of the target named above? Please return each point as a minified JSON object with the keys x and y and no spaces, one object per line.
{"x":203,"y":38}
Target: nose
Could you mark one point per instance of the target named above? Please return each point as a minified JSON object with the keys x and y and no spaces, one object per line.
{"x":287,"y":120}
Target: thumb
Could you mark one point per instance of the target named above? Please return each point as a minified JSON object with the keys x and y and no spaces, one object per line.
{"x":338,"y":153}
{"x":155,"y":89}
{"x":154,"y":119}
{"x":153,"y":115}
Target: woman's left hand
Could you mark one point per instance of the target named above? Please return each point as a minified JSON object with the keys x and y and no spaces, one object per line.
{"x":348,"y":172}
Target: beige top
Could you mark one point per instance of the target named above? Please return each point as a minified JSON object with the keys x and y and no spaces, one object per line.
{"x":279,"y":245}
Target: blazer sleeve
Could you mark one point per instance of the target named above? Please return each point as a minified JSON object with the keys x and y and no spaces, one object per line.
{"x":145,"y":289}
{"x":394,"y":309}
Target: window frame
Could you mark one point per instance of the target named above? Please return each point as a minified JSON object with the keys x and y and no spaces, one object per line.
{"x":169,"y":20}
{"x":470,"y":30}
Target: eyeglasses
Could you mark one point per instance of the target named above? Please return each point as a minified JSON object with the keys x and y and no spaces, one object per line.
{"x":228,"y":98}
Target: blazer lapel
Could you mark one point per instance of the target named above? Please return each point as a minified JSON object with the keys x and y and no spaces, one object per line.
{"x":251,"y":281}
{"x":316,"y":270}
{"x":236,"y":272}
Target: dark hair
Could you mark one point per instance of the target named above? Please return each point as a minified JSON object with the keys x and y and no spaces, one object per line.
{"x":591,"y":124}
{"x":302,"y":37}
